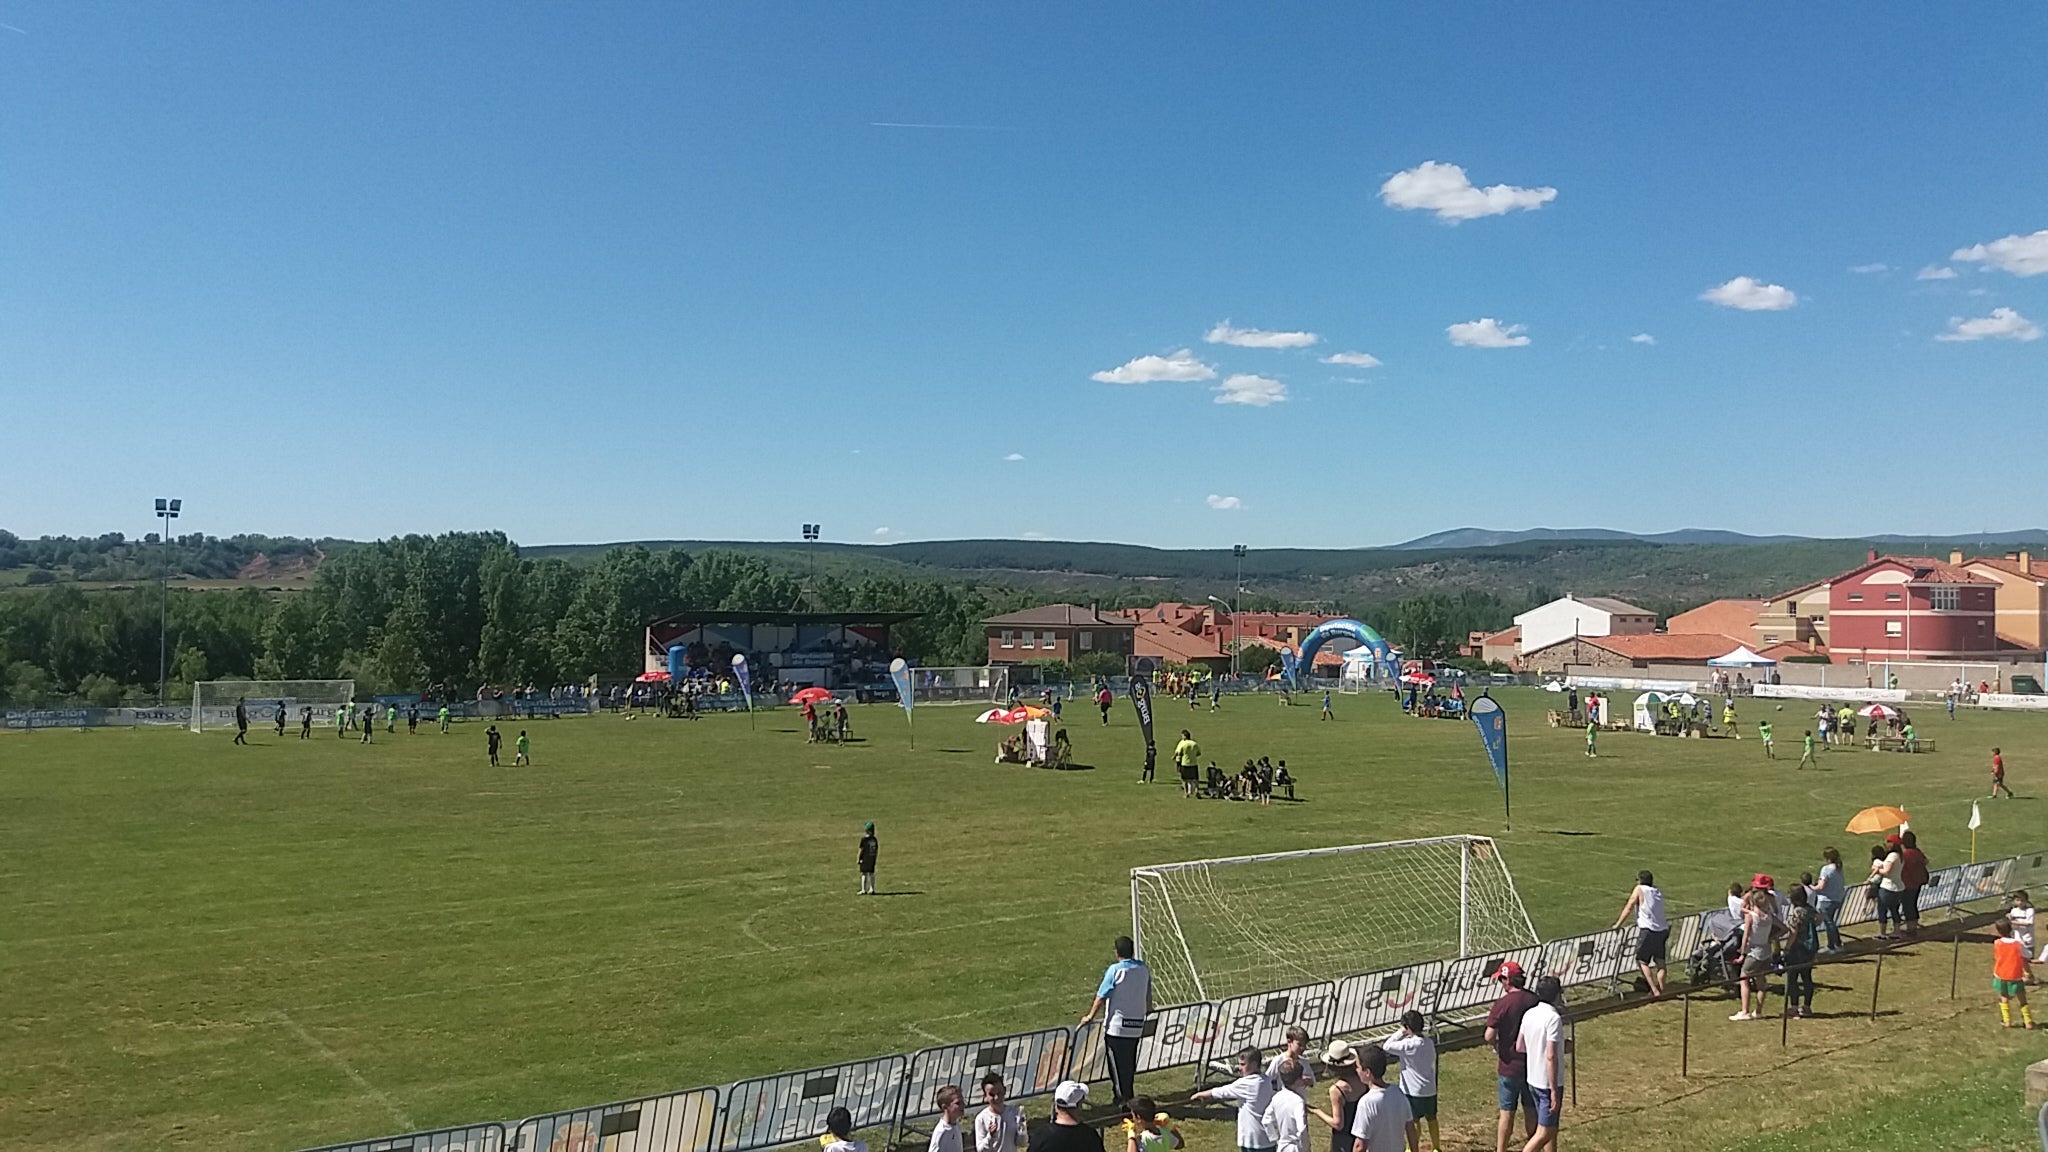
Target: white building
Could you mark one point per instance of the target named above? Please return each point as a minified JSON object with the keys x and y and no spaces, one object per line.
{"x":1572,"y":616}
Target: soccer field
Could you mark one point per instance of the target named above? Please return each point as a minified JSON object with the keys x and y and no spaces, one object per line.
{"x":267,"y":947}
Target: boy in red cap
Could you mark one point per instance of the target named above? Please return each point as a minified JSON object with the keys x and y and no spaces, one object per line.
{"x":1503,"y":1028}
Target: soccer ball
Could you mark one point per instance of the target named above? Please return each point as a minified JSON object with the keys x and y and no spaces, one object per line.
{"x":1781,"y":707}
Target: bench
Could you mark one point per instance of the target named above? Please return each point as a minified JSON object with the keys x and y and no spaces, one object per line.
{"x":1898,"y":744}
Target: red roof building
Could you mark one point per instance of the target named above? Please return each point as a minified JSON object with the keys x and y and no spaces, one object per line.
{"x":1911,"y":608}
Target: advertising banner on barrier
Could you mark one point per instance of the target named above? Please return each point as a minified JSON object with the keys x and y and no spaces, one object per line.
{"x":1814,"y":692}
{"x":1262,"y":1019}
{"x":1467,"y":983}
{"x":1374,"y":1001}
{"x":54,"y":717}
{"x":1594,"y":958}
{"x":676,"y":1122}
{"x":1178,"y":1036}
{"x":470,"y":1138}
{"x":776,"y":1110}
{"x":1030,"y":1063}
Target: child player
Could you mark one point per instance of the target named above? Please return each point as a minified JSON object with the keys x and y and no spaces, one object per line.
{"x":491,"y":742}
{"x":1806,"y":752}
{"x":1763,"y":729}
{"x":524,"y":749}
{"x":2009,"y":974}
{"x":870,"y":848}
{"x":2021,"y":917}
{"x":1998,"y":775}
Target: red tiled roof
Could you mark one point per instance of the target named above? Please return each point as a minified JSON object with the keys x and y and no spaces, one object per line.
{"x":1732,"y":617}
{"x":2038,"y":572}
{"x":1788,"y":648}
{"x":1506,"y":636}
{"x":1928,"y":570}
{"x":1164,"y":640}
{"x":1055,"y":614}
{"x":1684,"y":647}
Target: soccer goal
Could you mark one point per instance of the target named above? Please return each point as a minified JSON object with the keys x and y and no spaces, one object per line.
{"x":1212,"y":929}
{"x":213,"y":701}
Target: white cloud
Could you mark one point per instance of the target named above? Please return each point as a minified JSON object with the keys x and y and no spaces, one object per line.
{"x":2002,"y":324}
{"x":2019,"y":255}
{"x":1642,"y":338}
{"x":1935,"y":272}
{"x":1225,"y":503}
{"x":1486,"y":332}
{"x":1353,"y":359}
{"x":1867,"y":269}
{"x":882,"y":531}
{"x":1225,"y":333}
{"x":1353,"y":380}
{"x":1178,"y":366}
{"x":1751,"y":295}
{"x":1444,"y":190}
{"x":1257,"y":391}
{"x":1014,"y":457}
{"x":1036,"y":536}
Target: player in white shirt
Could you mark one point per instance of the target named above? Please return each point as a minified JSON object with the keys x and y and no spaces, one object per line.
{"x":946,"y":1133}
{"x":998,"y":1127}
{"x":1653,"y":930}
{"x":2021,"y":917}
{"x":1417,"y":1054}
{"x":1287,"y":1113}
{"x":1296,"y":1049}
{"x":1542,"y":1040}
{"x":1253,"y":1091}
{"x":1383,"y":1122}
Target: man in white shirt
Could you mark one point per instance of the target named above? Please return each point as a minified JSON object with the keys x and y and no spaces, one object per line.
{"x":946,"y":1133}
{"x":1383,"y":1122}
{"x":1287,"y":1114}
{"x":1125,"y":995}
{"x":1542,"y":1040}
{"x":998,"y":1127}
{"x":1653,"y":931}
{"x":1253,"y":1091}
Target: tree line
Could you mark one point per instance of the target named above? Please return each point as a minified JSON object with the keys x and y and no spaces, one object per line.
{"x":467,"y":608}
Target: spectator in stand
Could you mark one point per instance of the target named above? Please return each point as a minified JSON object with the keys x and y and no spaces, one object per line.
{"x":1252,"y":1091}
{"x":1503,"y":1027}
{"x":998,"y":1127}
{"x":1347,"y":1087}
{"x":1802,"y":947}
{"x":1066,"y":1133}
{"x":1653,"y":931}
{"x":1912,"y":874}
{"x":1828,"y":896}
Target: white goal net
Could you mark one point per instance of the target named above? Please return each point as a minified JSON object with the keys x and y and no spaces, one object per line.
{"x":213,"y":701}
{"x":1212,"y":929}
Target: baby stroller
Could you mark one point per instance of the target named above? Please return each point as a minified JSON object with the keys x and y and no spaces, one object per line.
{"x":1717,"y":960}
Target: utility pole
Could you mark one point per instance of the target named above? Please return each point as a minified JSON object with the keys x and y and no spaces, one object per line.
{"x":167,"y":511}
{"x":1237,"y":608}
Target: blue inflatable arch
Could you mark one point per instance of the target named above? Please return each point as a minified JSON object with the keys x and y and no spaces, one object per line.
{"x":1382,"y":654}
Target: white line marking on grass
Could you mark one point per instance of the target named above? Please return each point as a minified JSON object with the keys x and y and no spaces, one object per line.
{"x":927,"y":1035}
{"x":348,"y":1070}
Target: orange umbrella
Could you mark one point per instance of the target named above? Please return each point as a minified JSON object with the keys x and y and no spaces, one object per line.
{"x":1032,"y":711}
{"x":1878,"y":819}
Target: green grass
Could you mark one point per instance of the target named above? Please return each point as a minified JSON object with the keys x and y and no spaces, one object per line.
{"x":261,"y":948}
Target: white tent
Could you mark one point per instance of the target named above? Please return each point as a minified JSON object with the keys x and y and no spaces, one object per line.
{"x":1742,"y":657}
{"x":1646,"y":711}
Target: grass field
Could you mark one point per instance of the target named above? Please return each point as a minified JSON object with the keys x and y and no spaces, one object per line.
{"x":269,"y":947}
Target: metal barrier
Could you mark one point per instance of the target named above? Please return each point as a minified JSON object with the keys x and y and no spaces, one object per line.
{"x":773,"y":1111}
{"x":468,"y":1138}
{"x":889,"y":1091}
{"x":674,"y":1122}
{"x":1030,"y":1063}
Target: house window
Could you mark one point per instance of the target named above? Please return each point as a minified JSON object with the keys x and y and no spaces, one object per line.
{"x":1947,"y":599}
{"x":1770,"y":639}
{"x":1087,"y":641}
{"x":1049,"y":640}
{"x":1980,"y":627}
{"x":1009,"y":638}
{"x":1891,"y":597}
{"x":1855,"y":597}
{"x":1894,"y":628}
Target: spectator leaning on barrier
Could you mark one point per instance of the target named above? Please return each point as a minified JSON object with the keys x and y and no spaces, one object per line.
{"x":1828,"y":895}
{"x":1503,"y":1026}
{"x":1125,"y":998}
{"x":1653,"y":931}
{"x":1066,"y":1133}
{"x":1252,"y":1091}
{"x":998,"y":1127}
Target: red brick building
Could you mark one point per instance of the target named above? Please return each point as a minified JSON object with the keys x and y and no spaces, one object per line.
{"x":1056,"y":632}
{"x":1911,"y":608}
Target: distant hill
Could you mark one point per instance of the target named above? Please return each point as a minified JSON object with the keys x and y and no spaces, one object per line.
{"x":1488,"y":538}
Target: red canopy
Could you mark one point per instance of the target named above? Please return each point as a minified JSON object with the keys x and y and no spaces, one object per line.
{"x":651,"y":678}
{"x":811,"y":696}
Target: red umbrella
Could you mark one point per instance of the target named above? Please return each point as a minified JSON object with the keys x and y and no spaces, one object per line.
{"x":1418,"y":678}
{"x":1001,"y":716}
{"x":811,"y":696}
{"x":652,"y":678}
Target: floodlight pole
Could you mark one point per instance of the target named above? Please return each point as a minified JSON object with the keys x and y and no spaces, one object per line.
{"x":167,"y":511}
{"x":1237,"y":607}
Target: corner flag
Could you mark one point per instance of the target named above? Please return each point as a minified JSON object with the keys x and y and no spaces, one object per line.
{"x":1493,"y":735}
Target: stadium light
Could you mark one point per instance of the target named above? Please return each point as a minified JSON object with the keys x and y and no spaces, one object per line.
{"x":167,"y":511}
{"x":1238,"y":551}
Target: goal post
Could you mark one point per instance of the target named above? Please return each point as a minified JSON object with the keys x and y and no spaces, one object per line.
{"x":1212,"y":929}
{"x":213,"y":701}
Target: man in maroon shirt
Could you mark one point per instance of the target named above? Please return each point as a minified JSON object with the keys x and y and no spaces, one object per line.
{"x":1503,"y":1026}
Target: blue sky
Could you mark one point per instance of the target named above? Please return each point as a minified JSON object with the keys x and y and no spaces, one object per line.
{"x":594,"y":272}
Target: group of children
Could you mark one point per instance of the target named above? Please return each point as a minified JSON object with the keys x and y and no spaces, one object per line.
{"x":493,"y":740}
{"x":1366,"y":1113}
{"x":363,"y":717}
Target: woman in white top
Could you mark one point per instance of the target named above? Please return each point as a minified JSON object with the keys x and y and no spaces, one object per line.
{"x":1888,"y":868}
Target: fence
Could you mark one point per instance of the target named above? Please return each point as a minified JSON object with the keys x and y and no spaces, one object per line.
{"x":888,"y":1093}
